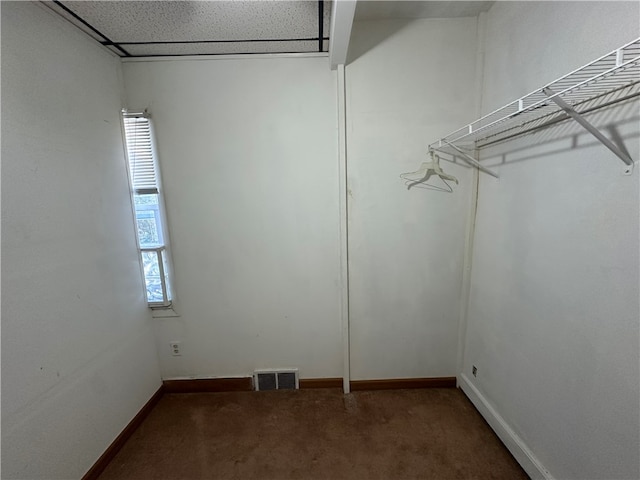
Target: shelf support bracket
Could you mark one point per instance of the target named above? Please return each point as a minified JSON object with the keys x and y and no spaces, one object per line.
{"x":590,"y":128}
{"x":469,"y":159}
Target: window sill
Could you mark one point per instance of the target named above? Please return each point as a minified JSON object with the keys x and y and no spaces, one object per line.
{"x":164,"y":312}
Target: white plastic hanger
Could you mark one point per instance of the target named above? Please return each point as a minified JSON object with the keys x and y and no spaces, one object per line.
{"x":425,"y":172}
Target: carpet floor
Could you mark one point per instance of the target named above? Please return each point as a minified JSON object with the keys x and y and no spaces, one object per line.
{"x":315,"y":434}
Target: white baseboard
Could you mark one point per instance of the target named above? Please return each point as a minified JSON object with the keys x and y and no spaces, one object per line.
{"x":511,"y":440}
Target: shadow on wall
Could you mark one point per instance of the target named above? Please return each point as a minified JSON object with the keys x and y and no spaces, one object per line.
{"x":567,"y":135}
{"x":367,"y":39}
{"x":616,"y":115}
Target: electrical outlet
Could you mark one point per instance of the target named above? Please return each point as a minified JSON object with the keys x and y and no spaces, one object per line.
{"x":175,"y":349}
{"x":474,"y":370}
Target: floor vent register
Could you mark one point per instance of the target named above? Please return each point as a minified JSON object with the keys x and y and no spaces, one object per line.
{"x":275,"y":380}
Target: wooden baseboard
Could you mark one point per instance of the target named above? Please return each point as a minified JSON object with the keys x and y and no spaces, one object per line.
{"x":320,"y":383}
{"x":398,"y":383}
{"x":102,"y":462}
{"x":205,"y":385}
{"x":237,"y":384}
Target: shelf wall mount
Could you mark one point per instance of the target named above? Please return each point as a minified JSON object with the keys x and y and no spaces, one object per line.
{"x":591,"y":129}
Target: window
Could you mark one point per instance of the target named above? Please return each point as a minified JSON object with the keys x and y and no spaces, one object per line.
{"x":149,"y":208}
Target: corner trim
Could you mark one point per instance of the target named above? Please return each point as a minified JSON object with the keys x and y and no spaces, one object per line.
{"x":520,"y":451}
{"x":98,"y":467}
{"x":397,"y":383}
{"x":320,"y":383}
{"x":205,"y":385}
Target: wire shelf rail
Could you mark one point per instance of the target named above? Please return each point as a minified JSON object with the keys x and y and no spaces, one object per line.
{"x":605,"y":77}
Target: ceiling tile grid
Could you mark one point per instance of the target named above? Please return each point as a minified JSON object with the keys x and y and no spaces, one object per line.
{"x":166,"y":28}
{"x":146,"y":28}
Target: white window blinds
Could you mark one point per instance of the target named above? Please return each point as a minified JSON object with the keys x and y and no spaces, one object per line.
{"x":140,"y":151}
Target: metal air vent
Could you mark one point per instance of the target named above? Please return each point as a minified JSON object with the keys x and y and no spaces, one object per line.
{"x":276,"y":379}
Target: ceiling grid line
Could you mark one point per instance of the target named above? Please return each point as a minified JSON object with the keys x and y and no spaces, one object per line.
{"x":183,"y":28}
{"x":173,"y":28}
{"x":106,"y":41}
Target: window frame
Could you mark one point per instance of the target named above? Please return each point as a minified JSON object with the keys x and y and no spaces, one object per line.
{"x":162,"y":249}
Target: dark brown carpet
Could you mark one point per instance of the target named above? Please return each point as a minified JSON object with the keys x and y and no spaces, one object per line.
{"x":319,"y":434}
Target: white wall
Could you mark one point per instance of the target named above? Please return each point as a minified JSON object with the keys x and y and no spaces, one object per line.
{"x":78,"y":359}
{"x":553,"y":313}
{"x":409,"y":82}
{"x":248,"y":153}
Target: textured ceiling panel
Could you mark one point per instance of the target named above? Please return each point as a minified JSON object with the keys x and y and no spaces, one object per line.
{"x":131,"y":25}
{"x":182,"y":49}
{"x":379,"y":10}
{"x":160,"y":21}
{"x":327,"y":18}
{"x":152,"y":27}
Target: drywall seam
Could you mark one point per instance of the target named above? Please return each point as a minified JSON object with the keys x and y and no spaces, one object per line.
{"x":344,"y":227}
{"x":480,"y":53}
{"x":518,"y":448}
{"x":465,"y":291}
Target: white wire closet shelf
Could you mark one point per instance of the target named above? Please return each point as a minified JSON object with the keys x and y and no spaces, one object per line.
{"x":609,"y":79}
